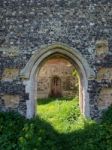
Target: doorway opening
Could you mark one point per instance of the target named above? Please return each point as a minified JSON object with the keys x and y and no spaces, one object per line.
{"x":58,"y":92}
{"x":55,"y":87}
{"x":31,"y":71}
{"x":55,"y":78}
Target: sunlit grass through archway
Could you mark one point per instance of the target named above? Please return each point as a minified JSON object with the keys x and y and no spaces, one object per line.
{"x":62,"y":113}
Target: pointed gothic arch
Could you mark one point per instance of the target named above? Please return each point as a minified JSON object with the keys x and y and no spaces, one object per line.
{"x":72,"y":55}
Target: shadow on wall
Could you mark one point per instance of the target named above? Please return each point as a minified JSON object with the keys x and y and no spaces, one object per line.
{"x":36,"y":134}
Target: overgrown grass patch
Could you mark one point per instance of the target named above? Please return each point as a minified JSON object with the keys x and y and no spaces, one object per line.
{"x":62,"y":113}
{"x":70,"y":131}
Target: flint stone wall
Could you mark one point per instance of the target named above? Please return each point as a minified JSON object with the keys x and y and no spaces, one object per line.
{"x":29,"y":25}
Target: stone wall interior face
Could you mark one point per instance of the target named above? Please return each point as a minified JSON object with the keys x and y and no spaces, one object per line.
{"x":61,"y":68}
{"x":29,"y":26}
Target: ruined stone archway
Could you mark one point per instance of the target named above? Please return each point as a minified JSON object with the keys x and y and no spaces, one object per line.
{"x":33,"y":66}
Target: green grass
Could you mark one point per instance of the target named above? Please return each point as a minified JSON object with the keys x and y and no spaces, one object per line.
{"x":59,"y":126}
{"x":63,"y":114}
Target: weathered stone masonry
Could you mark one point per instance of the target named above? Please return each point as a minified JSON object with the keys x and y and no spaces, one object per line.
{"x":55,"y":79}
{"x":29,"y":26}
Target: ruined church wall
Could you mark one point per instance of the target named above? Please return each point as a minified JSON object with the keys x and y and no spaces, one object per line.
{"x":30,"y":25}
{"x":57,"y":67}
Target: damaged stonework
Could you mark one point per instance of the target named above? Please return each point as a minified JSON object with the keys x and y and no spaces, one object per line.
{"x":105,"y":98}
{"x":10,"y":74}
{"x":11,"y":101}
{"x":31,"y":31}
{"x":13,"y":96}
{"x":12,"y":90}
{"x":101,"y":48}
{"x":103,"y":77}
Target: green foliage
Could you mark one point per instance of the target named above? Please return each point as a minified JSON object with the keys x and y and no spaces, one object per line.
{"x":107,"y":116}
{"x":61,"y":129}
{"x":61,"y":113}
{"x":75,"y":73}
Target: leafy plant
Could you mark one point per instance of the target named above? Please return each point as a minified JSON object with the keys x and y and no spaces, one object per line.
{"x":59,"y":126}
